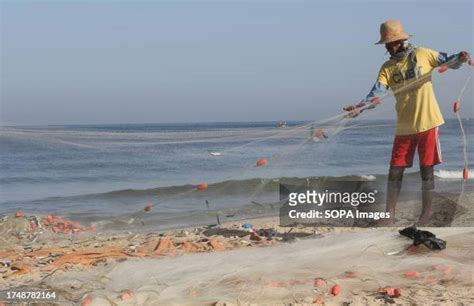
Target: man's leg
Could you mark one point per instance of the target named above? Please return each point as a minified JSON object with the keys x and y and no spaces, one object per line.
{"x":394,"y":185}
{"x":403,"y":152}
{"x":429,"y":151}
{"x":427,"y":185}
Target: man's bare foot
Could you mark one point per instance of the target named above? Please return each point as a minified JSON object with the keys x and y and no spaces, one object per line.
{"x":386,"y":222}
{"x":423,"y":220}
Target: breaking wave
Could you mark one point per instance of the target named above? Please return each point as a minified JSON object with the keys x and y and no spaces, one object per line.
{"x":449,"y":174}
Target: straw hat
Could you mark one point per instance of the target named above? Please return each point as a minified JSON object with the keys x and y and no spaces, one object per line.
{"x":392,"y":30}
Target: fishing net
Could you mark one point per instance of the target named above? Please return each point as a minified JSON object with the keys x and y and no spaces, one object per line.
{"x":363,"y":264}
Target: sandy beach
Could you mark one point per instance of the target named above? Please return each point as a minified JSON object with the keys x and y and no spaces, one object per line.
{"x":250,"y":262}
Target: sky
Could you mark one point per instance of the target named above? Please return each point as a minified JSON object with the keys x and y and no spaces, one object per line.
{"x":105,"y":62}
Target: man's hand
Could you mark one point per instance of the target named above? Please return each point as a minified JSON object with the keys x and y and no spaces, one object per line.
{"x":353,"y":110}
{"x":460,"y":59}
{"x":464,"y":56}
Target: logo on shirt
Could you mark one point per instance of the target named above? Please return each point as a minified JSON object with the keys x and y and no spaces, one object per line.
{"x":400,"y":76}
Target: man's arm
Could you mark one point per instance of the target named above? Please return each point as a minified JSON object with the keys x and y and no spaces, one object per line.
{"x":457,"y":59}
{"x":379,"y":90}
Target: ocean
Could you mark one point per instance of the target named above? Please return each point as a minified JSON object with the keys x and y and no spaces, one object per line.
{"x":104,"y":175}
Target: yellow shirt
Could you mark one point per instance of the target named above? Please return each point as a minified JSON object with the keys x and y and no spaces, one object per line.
{"x":417,"y":108}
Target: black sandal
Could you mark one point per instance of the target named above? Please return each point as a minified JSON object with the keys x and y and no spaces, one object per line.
{"x":423,"y":237}
{"x":429,"y":240}
{"x":409,"y":232}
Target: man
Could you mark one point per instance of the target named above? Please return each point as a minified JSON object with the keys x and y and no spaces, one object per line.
{"x":406,"y":73}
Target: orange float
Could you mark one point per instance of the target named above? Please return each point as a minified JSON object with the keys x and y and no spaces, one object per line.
{"x":443,"y":69}
{"x":262,"y":162}
{"x":412,"y":274}
{"x":127,"y":295}
{"x":465,"y":174}
{"x":456,"y":106}
{"x":388,"y":291}
{"x":87,"y":301}
{"x":202,"y":186}
{"x":320,"y":134}
{"x":376,"y":100}
{"x":148,"y":207}
{"x":336,"y":290}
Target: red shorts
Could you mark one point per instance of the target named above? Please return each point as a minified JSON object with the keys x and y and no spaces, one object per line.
{"x":427,"y":142}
